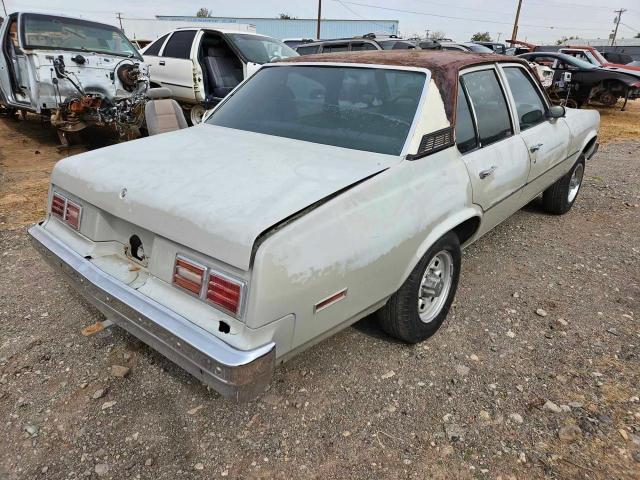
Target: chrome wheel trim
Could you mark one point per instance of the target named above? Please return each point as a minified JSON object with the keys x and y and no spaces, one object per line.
{"x":435,"y":286}
{"x":575,"y":182}
{"x":196,"y":113}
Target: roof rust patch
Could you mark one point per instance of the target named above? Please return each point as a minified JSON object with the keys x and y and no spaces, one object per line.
{"x":444,"y":65}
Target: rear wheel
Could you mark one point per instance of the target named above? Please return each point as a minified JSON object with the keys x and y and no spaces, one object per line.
{"x":559,"y":197}
{"x":418,"y":308}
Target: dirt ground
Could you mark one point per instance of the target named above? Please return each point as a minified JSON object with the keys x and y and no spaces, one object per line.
{"x":500,"y":392}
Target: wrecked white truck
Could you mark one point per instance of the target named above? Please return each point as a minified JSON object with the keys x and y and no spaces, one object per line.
{"x":77,"y":72}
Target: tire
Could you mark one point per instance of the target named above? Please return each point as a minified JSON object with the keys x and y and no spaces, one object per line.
{"x":401,"y":317}
{"x":560,"y":197}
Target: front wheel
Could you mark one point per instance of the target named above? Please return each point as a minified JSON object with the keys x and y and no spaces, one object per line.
{"x":418,"y":308}
{"x":559,"y":197}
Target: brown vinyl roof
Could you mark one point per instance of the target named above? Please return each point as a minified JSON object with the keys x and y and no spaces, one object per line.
{"x":443,"y":64}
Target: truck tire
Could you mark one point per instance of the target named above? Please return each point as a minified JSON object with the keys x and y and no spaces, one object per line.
{"x":559,"y":197}
{"x":418,"y":308}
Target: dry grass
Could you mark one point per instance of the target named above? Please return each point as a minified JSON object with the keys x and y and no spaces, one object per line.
{"x":617,"y":125}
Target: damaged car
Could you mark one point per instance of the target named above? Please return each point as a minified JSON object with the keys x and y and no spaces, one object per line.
{"x":577,"y":83}
{"x":76,"y":72}
{"x":341,"y":185}
{"x":202,"y":65}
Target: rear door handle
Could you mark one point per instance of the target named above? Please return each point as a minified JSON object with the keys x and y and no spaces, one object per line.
{"x":536,"y":147}
{"x":161,"y":62}
{"x":489,"y":171}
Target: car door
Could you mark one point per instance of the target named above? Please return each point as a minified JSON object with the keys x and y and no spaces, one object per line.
{"x":494,"y":155}
{"x":547,"y":139}
{"x":151,"y":56}
{"x":18,"y":79}
{"x":175,"y":68}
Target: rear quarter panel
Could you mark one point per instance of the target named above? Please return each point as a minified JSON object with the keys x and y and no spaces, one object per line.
{"x":584,"y":125}
{"x":366,"y":240}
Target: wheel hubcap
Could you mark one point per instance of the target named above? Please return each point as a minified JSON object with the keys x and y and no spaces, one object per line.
{"x":575,"y":182}
{"x":196,"y":114}
{"x":435,"y":286}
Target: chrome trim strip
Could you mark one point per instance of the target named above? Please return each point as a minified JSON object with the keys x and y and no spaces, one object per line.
{"x":236,"y":374}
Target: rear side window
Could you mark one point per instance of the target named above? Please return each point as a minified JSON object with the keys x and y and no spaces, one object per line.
{"x":465,"y":129}
{"x":358,"y":47}
{"x":308,"y":50}
{"x":342,"y":47}
{"x":530,"y":107}
{"x":179,"y":45}
{"x":154,"y":48}
{"x":490,"y":106}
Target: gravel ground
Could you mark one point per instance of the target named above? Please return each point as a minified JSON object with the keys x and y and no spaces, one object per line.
{"x":500,"y":392}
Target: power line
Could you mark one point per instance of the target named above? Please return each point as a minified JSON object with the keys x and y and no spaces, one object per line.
{"x":630,"y":27}
{"x":467,"y":19}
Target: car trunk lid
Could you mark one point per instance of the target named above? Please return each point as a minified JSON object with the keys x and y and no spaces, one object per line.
{"x":211,"y":188}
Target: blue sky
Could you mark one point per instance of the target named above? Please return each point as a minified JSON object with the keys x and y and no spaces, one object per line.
{"x":542,"y":21}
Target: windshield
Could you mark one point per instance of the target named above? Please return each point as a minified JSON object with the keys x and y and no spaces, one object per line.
{"x":369,"y":109}
{"x":44,"y":31}
{"x":260,"y":50}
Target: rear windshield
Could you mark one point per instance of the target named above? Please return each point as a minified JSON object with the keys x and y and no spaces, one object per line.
{"x":368,"y":109}
{"x":44,"y":31}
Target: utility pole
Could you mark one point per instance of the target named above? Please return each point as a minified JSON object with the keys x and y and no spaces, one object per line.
{"x":4,"y":8}
{"x":319,"y":14}
{"x":499,"y":35}
{"x":617,"y":20}
{"x":514,"y":34}
{"x":119,"y":17}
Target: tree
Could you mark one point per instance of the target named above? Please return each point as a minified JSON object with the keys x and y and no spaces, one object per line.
{"x":286,"y":16}
{"x":637,"y":35}
{"x":481,"y":37}
{"x":204,"y":12}
{"x":438,"y":35}
{"x":565,"y":39}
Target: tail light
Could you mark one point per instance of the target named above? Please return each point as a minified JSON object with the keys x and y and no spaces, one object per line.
{"x":224,"y":292}
{"x":58,"y":204}
{"x":189,"y":275}
{"x":66,"y":210}
{"x":72,"y":214}
{"x":221,"y":290}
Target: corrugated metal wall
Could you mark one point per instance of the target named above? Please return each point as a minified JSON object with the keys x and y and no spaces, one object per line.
{"x":302,"y":28}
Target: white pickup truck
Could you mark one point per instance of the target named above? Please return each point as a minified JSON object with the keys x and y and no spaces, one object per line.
{"x":321,"y":190}
{"x":202,"y":65}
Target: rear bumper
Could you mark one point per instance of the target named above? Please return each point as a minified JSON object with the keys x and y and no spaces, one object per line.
{"x":236,"y":374}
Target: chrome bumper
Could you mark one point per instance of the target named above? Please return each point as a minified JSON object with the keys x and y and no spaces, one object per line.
{"x":236,"y":374}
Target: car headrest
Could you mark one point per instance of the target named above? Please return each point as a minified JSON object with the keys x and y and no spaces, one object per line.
{"x":160,"y":92}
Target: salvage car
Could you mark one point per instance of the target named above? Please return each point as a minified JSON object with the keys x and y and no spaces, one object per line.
{"x":202,"y":65}
{"x":341,"y":185}
{"x":76,"y":72}
{"x":370,"y":41}
{"x":583,"y":82}
{"x":594,"y":57}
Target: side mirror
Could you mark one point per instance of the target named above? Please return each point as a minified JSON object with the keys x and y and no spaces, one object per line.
{"x":556,"y":111}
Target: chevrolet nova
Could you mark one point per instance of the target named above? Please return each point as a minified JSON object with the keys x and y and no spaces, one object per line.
{"x":321,"y":190}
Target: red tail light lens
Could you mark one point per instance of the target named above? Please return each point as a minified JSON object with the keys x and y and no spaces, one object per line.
{"x":58,"y":204}
{"x":225,"y":292}
{"x":188,"y":275}
{"x":72,"y":215}
{"x":66,"y":210}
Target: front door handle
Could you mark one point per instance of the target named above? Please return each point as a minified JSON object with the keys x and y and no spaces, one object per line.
{"x":161,"y":62}
{"x":536,"y":147}
{"x":489,"y":171}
